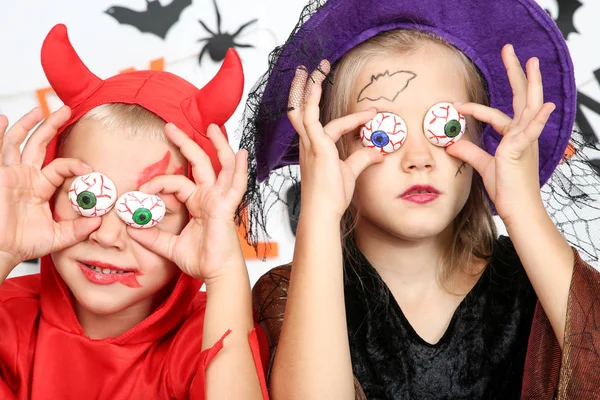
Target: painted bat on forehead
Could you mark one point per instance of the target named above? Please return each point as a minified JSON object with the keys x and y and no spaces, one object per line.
{"x":156,"y":19}
{"x":386,"y":86}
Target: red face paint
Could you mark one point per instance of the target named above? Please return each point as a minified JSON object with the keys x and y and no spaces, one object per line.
{"x":178,"y":170}
{"x":158,"y":168}
{"x":125,"y":276}
{"x":57,"y":217}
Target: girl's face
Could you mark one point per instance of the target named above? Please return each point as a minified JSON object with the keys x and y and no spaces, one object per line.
{"x":128,"y":163}
{"x":418,"y":189}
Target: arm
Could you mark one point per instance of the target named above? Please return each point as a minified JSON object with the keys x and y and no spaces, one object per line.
{"x":548,"y":260}
{"x":313,"y":357}
{"x":511,"y":178}
{"x":5,"y":268}
{"x":208,"y":249}
{"x":232,"y":374}
{"x":269,"y":299}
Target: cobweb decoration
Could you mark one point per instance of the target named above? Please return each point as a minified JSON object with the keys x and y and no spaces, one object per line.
{"x":572,"y":196}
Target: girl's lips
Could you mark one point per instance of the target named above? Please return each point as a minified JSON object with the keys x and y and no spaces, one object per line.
{"x":126,"y":277}
{"x":420,"y":194}
{"x":421,"y":198}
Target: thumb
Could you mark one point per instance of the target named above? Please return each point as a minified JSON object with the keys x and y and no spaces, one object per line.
{"x":155,"y":240}
{"x":363,"y":158}
{"x":470,"y":153}
{"x":69,"y":233}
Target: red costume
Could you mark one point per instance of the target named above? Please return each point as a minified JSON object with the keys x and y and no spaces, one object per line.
{"x":44,"y":353}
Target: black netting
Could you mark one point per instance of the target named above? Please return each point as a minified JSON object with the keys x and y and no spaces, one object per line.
{"x":572,"y":195}
{"x":261,"y":197}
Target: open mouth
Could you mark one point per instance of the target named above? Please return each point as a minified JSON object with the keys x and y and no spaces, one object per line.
{"x":106,"y":274}
{"x":105,"y":271}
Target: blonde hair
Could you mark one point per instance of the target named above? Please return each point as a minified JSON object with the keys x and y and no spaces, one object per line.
{"x":132,"y":119}
{"x":474,"y":230}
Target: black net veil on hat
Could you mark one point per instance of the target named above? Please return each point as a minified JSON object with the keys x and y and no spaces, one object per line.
{"x":571,"y":195}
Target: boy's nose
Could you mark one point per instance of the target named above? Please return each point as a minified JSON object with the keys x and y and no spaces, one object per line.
{"x":417,"y":152}
{"x":111,"y":233}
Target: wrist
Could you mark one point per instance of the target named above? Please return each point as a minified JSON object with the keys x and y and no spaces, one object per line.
{"x":526,"y":217}
{"x":231,"y":275}
{"x":7,"y":264}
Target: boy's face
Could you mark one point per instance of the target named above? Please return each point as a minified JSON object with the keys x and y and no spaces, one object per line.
{"x":128,"y":162}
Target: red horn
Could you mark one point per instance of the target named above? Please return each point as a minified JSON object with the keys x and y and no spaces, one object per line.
{"x":69,"y":77}
{"x":220,"y":97}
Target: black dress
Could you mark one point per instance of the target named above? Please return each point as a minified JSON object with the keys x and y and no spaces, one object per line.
{"x":480,"y":356}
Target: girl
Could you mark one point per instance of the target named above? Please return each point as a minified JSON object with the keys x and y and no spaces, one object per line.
{"x":399,"y":287}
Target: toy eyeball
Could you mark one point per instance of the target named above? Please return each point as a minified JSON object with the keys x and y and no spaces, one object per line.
{"x":92,"y":195}
{"x":386,"y":131}
{"x":140,"y":210}
{"x":443,"y":125}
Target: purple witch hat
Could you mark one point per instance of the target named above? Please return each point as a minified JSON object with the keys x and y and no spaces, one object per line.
{"x":479,"y":29}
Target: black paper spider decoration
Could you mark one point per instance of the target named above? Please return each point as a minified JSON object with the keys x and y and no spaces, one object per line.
{"x":218,"y":44}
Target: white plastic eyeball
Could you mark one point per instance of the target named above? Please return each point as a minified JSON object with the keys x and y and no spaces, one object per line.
{"x":386,"y":131}
{"x":92,"y":195}
{"x":443,"y":125}
{"x":140,"y":210}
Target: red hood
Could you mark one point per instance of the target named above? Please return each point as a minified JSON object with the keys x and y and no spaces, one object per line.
{"x":58,"y":311}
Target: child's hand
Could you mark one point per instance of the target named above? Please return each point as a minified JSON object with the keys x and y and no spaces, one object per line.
{"x":209,"y":243}
{"x":327,"y":182}
{"x":511,"y":178}
{"x":27,"y":227}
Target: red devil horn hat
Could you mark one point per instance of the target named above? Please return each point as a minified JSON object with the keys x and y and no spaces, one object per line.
{"x":170,"y":97}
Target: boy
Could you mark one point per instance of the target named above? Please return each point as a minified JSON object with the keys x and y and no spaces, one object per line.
{"x":116,"y":312}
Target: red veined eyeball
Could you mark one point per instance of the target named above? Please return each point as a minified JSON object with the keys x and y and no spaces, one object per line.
{"x":140,"y":210}
{"x":92,"y":195}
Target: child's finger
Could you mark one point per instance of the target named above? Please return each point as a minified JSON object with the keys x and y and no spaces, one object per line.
{"x":178,"y":185}
{"x":3,"y":126}
{"x":35,"y":148}
{"x":517,"y":79}
{"x":470,"y":153}
{"x":312,"y":124}
{"x":361,"y":159}
{"x":58,"y":171}
{"x":317,"y":77}
{"x":225,"y":154}
{"x":202,"y":169}
{"x":296,"y":102}
{"x":155,"y":240}
{"x":240,"y":176}
{"x":532,"y":132}
{"x":339,"y":127}
{"x":68,"y":233}
{"x":535,"y":93}
{"x":11,"y":145}
{"x":494,"y":117}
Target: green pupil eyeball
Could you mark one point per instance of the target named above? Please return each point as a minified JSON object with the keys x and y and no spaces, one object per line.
{"x":86,"y":200}
{"x":452,"y":129}
{"x":142,"y":216}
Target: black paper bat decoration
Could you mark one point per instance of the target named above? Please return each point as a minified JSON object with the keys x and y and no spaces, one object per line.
{"x":566,"y":13}
{"x":386,"y":86}
{"x":156,"y":19}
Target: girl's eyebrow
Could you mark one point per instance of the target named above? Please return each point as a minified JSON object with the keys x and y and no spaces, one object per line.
{"x":155,"y":169}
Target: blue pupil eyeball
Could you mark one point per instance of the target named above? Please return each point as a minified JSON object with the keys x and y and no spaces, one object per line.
{"x":380,"y":138}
